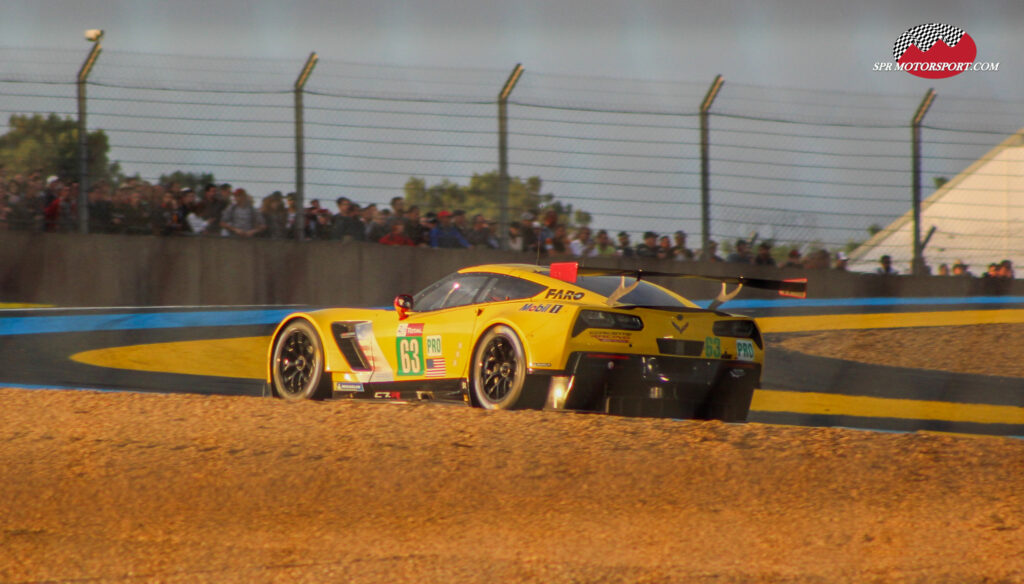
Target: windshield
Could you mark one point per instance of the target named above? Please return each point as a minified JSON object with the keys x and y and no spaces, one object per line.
{"x":646,"y":294}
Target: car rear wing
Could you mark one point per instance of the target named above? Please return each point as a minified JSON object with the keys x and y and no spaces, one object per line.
{"x":791,"y":287}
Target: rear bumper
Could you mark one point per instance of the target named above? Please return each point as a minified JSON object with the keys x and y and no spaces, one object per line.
{"x":656,"y":385}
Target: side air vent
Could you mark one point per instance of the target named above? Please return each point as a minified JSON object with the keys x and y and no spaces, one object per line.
{"x":680,"y":347}
{"x":345,"y":336}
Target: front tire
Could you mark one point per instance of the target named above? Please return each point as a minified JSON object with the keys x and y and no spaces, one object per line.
{"x":499,"y":380}
{"x":297,"y":364}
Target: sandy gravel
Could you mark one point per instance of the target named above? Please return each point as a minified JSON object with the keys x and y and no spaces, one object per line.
{"x":120,"y":487}
{"x":108,"y":487}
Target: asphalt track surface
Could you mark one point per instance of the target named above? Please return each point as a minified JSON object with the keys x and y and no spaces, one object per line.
{"x":221,"y":350}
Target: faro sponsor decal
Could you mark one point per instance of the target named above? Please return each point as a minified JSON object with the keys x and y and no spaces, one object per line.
{"x":556,"y":294}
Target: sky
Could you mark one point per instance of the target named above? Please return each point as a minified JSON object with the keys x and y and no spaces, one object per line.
{"x":813,"y":44}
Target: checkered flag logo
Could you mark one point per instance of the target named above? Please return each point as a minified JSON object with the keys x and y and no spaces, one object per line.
{"x":924,"y":36}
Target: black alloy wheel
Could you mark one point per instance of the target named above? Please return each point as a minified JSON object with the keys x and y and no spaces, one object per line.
{"x":499,"y":377}
{"x":298,"y":363}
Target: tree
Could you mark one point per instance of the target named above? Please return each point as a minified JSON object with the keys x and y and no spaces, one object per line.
{"x":50,"y":145}
{"x":193,"y":180}
{"x":480,"y":196}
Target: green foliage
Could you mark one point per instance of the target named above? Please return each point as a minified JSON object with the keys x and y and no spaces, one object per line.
{"x":874,"y":229}
{"x":50,"y":145}
{"x":193,"y":180}
{"x":480,"y":196}
{"x":939,"y":181}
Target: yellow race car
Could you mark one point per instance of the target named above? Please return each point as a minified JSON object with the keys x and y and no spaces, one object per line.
{"x":510,"y":336}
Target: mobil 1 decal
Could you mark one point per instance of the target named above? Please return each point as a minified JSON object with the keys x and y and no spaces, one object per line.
{"x":549,"y":308}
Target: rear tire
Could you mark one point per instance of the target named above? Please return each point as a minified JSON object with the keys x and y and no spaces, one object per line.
{"x":297,"y":364}
{"x":498,"y":379}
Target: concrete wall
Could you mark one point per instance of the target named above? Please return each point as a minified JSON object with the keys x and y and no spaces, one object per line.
{"x":117,"y":270}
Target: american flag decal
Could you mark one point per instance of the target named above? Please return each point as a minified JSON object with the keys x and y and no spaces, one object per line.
{"x":436,"y":367}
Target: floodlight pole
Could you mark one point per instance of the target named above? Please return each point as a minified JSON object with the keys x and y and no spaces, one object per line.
{"x":503,"y":180}
{"x":300,"y":148}
{"x":83,"y":137}
{"x":917,"y":267}
{"x":705,"y":173}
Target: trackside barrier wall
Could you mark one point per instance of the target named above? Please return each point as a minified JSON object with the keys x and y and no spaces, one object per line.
{"x":113,"y":270}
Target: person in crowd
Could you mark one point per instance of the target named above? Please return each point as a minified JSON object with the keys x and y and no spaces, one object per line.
{"x":793,"y":259}
{"x":398,"y":211}
{"x":558,"y":245}
{"x":531,"y":242}
{"x":446,"y":235}
{"x":397,"y":236}
{"x":136,"y":214}
{"x":603,"y":246}
{"x":961,"y":269}
{"x":226,"y":194}
{"x":885,"y":266}
{"x":275,"y":216}
{"x":241,"y":218}
{"x":170,"y":219}
{"x":318,"y":221}
{"x":427,"y":224}
{"x":460,"y":222}
{"x":842,"y":261}
{"x":1005,"y":270}
{"x":515,"y":237}
{"x":547,"y":228}
{"x":378,"y":226}
{"x":648,"y":248}
{"x":366,"y":215}
{"x":5,"y":206}
{"x":348,"y":223}
{"x":583,"y":246}
{"x":764,"y":255}
{"x":194,"y":218}
{"x":943,"y":269}
{"x":680,"y":252}
{"x":338,"y":219}
{"x":742,"y":254}
{"x":62,"y":212}
{"x":212,"y":207}
{"x":625,"y":248}
{"x":711,"y":254}
{"x":413,"y":226}
{"x":818,"y":259}
{"x":664,"y":248}
{"x":992,"y":271}
{"x":481,"y":236}
{"x":100,"y":209}
{"x":293,"y":213}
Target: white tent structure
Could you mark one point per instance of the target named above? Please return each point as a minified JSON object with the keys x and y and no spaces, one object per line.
{"x":978,"y":218}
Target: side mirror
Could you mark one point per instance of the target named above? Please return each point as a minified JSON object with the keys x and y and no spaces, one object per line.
{"x":403,"y":305}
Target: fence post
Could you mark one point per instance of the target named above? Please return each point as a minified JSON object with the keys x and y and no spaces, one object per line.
{"x":83,"y":131}
{"x":917,"y":267}
{"x":503,"y":153}
{"x":705,"y":166}
{"x":300,"y":149}
{"x":705,"y":179}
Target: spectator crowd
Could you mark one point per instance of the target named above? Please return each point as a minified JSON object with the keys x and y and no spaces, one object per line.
{"x":136,"y":207}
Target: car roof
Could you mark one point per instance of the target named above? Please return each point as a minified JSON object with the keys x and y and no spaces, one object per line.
{"x":538,"y":273}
